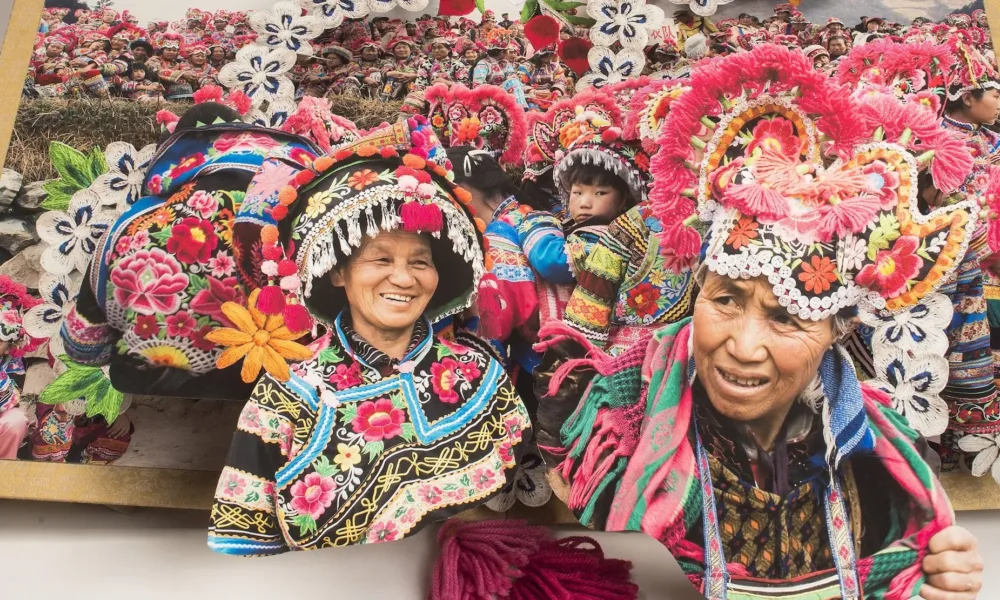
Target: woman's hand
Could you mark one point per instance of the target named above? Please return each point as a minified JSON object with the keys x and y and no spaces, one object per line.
{"x":953,"y":566}
{"x":121,"y":427}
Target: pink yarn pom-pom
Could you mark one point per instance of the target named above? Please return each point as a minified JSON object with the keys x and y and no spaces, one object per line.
{"x":421,"y":218}
{"x":209,"y":93}
{"x":847,"y":216}
{"x":271,"y":300}
{"x":685,"y":242}
{"x":755,"y":200}
{"x":297,"y":317}
{"x":240,"y":102}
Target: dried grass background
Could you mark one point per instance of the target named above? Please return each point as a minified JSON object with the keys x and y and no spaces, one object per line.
{"x":85,"y":124}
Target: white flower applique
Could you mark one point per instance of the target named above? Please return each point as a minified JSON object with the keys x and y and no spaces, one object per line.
{"x":73,"y":236}
{"x":915,"y":386}
{"x":921,"y":329}
{"x":608,"y":68}
{"x":45,"y":320}
{"x":261,"y":73}
{"x":628,"y":22}
{"x":987,"y":451}
{"x":121,"y":186}
{"x":702,"y":8}
{"x":284,"y":26}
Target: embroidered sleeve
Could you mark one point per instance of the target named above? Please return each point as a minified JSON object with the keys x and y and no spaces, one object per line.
{"x":544,"y":244}
{"x":243,"y":519}
{"x":85,"y":332}
{"x":461,"y":72}
{"x":423,"y":76}
{"x":480,"y":74}
{"x":515,"y":279}
{"x":9,"y":394}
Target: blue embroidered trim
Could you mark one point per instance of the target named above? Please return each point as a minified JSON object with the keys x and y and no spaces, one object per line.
{"x":428,"y":433}
{"x":415,"y":354}
{"x":242,"y":547}
{"x":321,"y":434}
{"x":304,"y":391}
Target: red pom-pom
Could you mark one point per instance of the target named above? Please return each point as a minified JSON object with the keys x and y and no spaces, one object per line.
{"x":388,"y":152}
{"x":342,"y":154}
{"x":271,"y":252}
{"x":422,"y":176}
{"x":278,"y":213}
{"x":240,"y":102}
{"x":573,"y":53}
{"x":209,"y":93}
{"x":610,"y":135}
{"x":541,"y":31}
{"x":286,"y":268}
{"x":271,"y":300}
{"x":425,"y":218}
{"x":305,"y":177}
{"x":297,"y":317}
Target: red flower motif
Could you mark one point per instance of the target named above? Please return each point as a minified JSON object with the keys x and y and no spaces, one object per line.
{"x":818,"y":274}
{"x":346,"y":376}
{"x":383,"y":532}
{"x":209,"y":302}
{"x":892,"y":268}
{"x":744,"y":231}
{"x":483,"y":478}
{"x":883,"y":181}
{"x":193,"y":240}
{"x":180,"y":324}
{"x":445,"y":379}
{"x":149,"y":282}
{"x":643,"y":299}
{"x":776,"y":134}
{"x":312,"y":495}
{"x":198,"y":338}
{"x":641,"y":161}
{"x":430,"y":494}
{"x":379,"y":420}
{"x":146,"y":327}
{"x":469,"y":370}
{"x":155,"y":185}
{"x":189,"y":162}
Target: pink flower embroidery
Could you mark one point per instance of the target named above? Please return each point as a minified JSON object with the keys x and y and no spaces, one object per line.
{"x":234,"y":485}
{"x":222,"y":265}
{"x":209,"y":302}
{"x":312,"y":495}
{"x":506,"y":452}
{"x":193,"y":240}
{"x":189,"y":163}
{"x":379,"y":420}
{"x":203,"y":204}
{"x":199,"y":341}
{"x":469,"y":370}
{"x":123,"y":245}
{"x":140,"y":240}
{"x":346,"y":376}
{"x":149,"y":282}
{"x":181,"y":324}
{"x":777,"y":134}
{"x":155,"y":185}
{"x":245,"y":141}
{"x":430,"y":494}
{"x":883,"y":181}
{"x":445,"y":379}
{"x":483,"y":478}
{"x":892,"y":268}
{"x":514,"y":429}
{"x":383,"y":532}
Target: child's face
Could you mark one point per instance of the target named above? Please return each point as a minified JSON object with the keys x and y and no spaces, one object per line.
{"x":587,"y":202}
{"x":138,"y":74}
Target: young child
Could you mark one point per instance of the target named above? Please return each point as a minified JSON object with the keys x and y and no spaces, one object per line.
{"x":139,"y":88}
{"x":14,"y":344}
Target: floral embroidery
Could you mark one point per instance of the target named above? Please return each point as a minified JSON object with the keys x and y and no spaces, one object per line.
{"x":744,"y":231}
{"x":818,"y":274}
{"x":189,"y":163}
{"x":379,"y":420}
{"x":383,"y":532}
{"x":484,"y":478}
{"x":777,"y":134}
{"x":193,"y":240}
{"x":312,"y":495}
{"x":149,"y":282}
{"x":346,"y":376}
{"x":884,"y":180}
{"x":246,"y":490}
{"x":146,"y":327}
{"x":893,"y":268}
{"x":203,"y":204}
{"x":347,"y":457}
{"x":180,"y":324}
{"x":359,"y":180}
{"x":166,"y":356}
{"x":644,"y":299}
{"x":222,"y":265}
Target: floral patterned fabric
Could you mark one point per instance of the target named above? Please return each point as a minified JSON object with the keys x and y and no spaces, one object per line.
{"x":340,"y":455}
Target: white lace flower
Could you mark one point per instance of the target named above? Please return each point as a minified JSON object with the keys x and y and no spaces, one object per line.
{"x":45,"y":320}
{"x":627,"y":21}
{"x":854,"y":253}
{"x":608,"y":68}
{"x":121,"y":186}
{"x":919,"y":330}
{"x":285,"y":27}
{"x":702,"y":8}
{"x":73,"y":235}
{"x":384,"y":6}
{"x":915,"y":385}
{"x":333,"y":12}
{"x":987,"y":451}
{"x":260,"y":72}
{"x":274,"y":117}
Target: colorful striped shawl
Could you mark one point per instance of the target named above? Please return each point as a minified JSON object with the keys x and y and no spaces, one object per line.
{"x":655,"y":478}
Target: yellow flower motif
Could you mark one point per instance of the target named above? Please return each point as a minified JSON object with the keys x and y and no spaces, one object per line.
{"x":317,"y":204}
{"x":166,"y":356}
{"x":263,"y":340}
{"x":347,"y":456}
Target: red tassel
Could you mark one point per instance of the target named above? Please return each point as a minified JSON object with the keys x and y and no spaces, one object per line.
{"x":297,"y":317}
{"x":271,"y":300}
{"x":685,"y":241}
{"x":421,"y":218}
{"x":489,"y":303}
{"x":272,"y":252}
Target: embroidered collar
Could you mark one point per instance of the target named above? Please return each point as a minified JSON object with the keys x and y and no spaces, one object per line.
{"x":959,"y":124}
{"x":508,"y":205}
{"x":363,"y":351}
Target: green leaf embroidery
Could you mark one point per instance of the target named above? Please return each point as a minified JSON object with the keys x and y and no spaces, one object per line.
{"x":324,"y":468}
{"x":252,"y":497}
{"x":398,"y":401}
{"x":329,"y":355}
{"x":162,"y":236}
{"x":373,"y":449}
{"x":198,"y":283}
{"x":72,"y":165}
{"x":204,"y":321}
{"x":409,"y":432}
{"x":58,"y":193}
{"x":237,"y":198}
{"x":96,"y":164}
{"x":71,"y":385}
{"x":305,"y":523}
{"x":529,"y":10}
{"x":105,"y":401}
{"x":465,"y":480}
{"x":349,"y":412}
{"x":443,"y":351}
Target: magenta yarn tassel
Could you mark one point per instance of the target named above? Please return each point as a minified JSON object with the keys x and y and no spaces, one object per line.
{"x":421,"y":218}
{"x":271,"y":300}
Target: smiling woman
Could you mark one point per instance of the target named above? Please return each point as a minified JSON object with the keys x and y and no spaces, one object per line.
{"x":387,"y":426}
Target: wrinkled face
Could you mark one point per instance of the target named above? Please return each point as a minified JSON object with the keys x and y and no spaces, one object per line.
{"x":140,"y":54}
{"x":985,"y":110}
{"x":389,"y":281}
{"x":218,"y":53}
{"x":170,"y":53}
{"x":440,"y":51}
{"x":838,"y":47}
{"x":369,"y":54}
{"x":471,"y":55}
{"x":587,"y":202}
{"x":752,"y":356}
{"x":401,"y":51}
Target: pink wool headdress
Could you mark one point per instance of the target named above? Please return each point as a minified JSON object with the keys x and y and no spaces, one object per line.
{"x":649,"y":108}
{"x":15,"y":301}
{"x":790,"y":184}
{"x":973,"y":71}
{"x":315,"y":120}
{"x":487,"y":117}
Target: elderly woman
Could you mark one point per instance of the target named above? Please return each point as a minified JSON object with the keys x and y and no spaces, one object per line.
{"x":741,"y":438}
{"x":383,"y":427}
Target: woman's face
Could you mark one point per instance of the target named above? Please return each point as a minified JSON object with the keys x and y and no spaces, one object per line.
{"x":985,"y":110}
{"x":752,"y":356}
{"x":334,"y":61}
{"x":389,"y":281}
{"x":440,"y":51}
{"x":117,"y":43}
{"x":471,"y":56}
{"x":369,"y":54}
{"x":170,"y":53}
{"x":872,"y":26}
{"x":218,"y":54}
{"x":401,"y":51}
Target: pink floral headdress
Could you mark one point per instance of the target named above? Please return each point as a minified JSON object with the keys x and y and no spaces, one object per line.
{"x":973,"y":71}
{"x":487,"y":117}
{"x":916,"y":71}
{"x":649,"y":108}
{"x":795,"y":180}
{"x":15,"y":301}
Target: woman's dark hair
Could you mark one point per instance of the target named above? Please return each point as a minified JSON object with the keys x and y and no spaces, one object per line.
{"x":720,"y":48}
{"x":957,"y":104}
{"x":477,"y":169}
{"x":581,"y":174}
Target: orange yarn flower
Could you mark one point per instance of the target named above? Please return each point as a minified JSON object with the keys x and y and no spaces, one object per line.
{"x":262,"y":341}
{"x":323,"y":163}
{"x":362,"y":179}
{"x":413,"y":161}
{"x":468,"y":129}
{"x":818,"y":274}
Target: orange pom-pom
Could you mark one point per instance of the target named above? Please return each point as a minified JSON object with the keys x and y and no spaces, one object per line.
{"x":342,"y":155}
{"x":463,"y":195}
{"x":287,"y":195}
{"x":489,"y":262}
{"x":367,"y":150}
{"x":480,"y":225}
{"x":305,"y":177}
{"x":269,"y":234}
{"x":413,"y":161}
{"x":323,"y":163}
